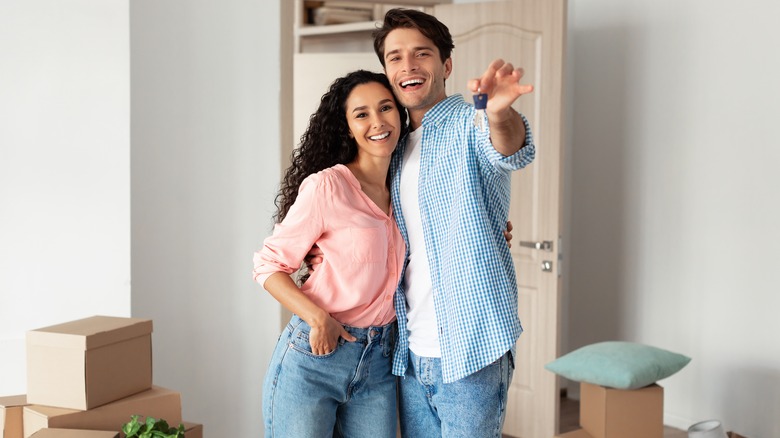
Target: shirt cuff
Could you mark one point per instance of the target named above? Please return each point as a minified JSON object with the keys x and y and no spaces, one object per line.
{"x":519,"y":159}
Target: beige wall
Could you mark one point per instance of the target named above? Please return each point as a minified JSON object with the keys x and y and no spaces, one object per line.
{"x":64,"y":168}
{"x":205,"y":93}
{"x":673,"y":204}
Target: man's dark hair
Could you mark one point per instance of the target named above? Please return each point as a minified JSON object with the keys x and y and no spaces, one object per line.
{"x":427,"y":24}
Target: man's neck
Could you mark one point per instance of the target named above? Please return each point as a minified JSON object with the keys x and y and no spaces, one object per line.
{"x":415,"y":118}
{"x":416,"y":115}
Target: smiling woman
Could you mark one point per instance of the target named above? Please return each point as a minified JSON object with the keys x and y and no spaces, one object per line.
{"x":339,"y":341}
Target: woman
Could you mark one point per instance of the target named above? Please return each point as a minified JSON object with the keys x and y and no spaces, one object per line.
{"x":330,"y":374}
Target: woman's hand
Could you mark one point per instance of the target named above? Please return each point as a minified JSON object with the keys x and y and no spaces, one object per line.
{"x":324,"y":337}
{"x":508,"y":233}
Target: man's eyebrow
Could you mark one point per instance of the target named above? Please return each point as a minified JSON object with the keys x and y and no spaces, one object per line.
{"x":391,"y":52}
{"x":415,"y":49}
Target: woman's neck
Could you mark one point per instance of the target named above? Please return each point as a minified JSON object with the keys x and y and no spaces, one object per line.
{"x":373,"y":181}
{"x":369,"y":172}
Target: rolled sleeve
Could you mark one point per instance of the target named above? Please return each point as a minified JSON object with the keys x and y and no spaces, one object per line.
{"x":293,"y":238}
{"x":519,"y":159}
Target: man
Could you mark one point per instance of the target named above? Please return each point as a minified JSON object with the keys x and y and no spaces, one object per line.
{"x":457,"y":300}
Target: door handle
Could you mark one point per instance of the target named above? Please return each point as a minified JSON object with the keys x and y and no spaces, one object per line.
{"x":545,"y":245}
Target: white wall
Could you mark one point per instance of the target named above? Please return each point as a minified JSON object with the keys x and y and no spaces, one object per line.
{"x":674,"y":213}
{"x":64,"y":168}
{"x":205,"y":168}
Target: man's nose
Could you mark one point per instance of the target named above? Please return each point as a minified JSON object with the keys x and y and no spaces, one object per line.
{"x":410,"y":65}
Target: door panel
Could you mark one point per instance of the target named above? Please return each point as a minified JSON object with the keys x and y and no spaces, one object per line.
{"x":529,"y":34}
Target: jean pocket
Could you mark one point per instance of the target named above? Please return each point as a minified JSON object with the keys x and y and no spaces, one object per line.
{"x":300,"y":343}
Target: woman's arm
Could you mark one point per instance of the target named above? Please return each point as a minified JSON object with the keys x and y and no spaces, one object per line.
{"x":325,"y":330}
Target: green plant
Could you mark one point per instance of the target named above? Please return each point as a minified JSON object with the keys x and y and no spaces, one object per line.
{"x":152,"y":428}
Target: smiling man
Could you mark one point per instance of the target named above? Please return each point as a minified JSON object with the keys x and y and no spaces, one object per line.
{"x":457,"y":301}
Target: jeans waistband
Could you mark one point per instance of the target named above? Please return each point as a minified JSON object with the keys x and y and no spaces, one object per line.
{"x":364,"y":335}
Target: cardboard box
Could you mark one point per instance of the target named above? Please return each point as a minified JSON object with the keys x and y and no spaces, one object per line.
{"x":579,"y":433}
{"x":157,"y":403}
{"x":87,"y":363}
{"x":11,"y":416}
{"x":74,"y":433}
{"x":192,"y":430}
{"x":619,"y":413}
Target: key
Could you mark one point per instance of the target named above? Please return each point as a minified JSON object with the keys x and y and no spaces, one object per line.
{"x":480,"y":103}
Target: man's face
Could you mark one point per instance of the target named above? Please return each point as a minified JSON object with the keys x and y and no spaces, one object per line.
{"x":413,"y":66}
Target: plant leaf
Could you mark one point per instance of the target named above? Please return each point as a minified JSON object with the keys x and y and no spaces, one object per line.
{"x":162,"y":425}
{"x":131,"y":428}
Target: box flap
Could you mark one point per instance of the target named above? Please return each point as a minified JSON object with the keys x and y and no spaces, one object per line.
{"x":74,"y":433}
{"x":11,"y":419}
{"x":35,"y":420}
{"x":579,"y":433}
{"x":48,"y":411}
{"x":13,"y":400}
{"x":89,"y":333}
{"x":190,"y":425}
{"x":193,"y":430}
{"x":157,"y":402}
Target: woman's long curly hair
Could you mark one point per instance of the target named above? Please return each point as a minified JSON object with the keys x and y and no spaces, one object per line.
{"x":326,"y":141}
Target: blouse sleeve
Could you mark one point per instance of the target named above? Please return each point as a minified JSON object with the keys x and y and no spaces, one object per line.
{"x":294,"y":237}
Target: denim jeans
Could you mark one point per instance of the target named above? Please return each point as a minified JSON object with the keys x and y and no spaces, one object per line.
{"x":472,"y":407}
{"x":349,"y":392}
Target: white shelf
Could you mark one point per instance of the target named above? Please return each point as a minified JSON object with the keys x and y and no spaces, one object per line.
{"x":405,"y":2}
{"x":329,"y":29}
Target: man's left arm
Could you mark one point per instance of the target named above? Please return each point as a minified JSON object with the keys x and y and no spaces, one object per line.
{"x":501,"y":82}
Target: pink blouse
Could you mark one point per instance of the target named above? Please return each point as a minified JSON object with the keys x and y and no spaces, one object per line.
{"x":362,"y":246}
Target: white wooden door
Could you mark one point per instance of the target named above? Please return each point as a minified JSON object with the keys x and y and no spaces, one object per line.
{"x":530,"y":34}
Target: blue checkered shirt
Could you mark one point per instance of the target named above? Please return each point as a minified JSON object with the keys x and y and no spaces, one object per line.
{"x":464,"y":203}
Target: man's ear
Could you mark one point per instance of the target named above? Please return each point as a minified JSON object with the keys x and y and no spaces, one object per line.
{"x":447,"y":68}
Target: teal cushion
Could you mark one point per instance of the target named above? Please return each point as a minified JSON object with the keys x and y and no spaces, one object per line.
{"x":621,"y":365}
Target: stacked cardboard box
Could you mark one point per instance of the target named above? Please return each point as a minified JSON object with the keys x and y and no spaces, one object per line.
{"x":11,"y":416}
{"x":193,"y":430}
{"x":619,"y":413}
{"x":91,"y":374}
{"x":74,"y":433}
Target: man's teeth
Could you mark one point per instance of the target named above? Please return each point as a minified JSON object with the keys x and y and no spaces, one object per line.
{"x":411,"y":81}
{"x":380,"y":136}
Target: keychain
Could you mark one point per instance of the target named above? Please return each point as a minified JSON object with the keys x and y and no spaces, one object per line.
{"x":480,"y":103}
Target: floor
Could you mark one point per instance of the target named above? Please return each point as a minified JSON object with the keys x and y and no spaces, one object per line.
{"x":570,"y":418}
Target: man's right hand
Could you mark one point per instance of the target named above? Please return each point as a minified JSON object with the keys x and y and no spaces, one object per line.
{"x":313,"y":258}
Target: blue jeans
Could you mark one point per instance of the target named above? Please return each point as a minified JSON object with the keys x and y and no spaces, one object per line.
{"x":349,"y":392}
{"x":472,"y":407}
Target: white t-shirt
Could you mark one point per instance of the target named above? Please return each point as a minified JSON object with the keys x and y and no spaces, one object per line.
{"x":421,"y":316}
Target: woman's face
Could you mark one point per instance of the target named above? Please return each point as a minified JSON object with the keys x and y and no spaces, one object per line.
{"x":373,"y":119}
